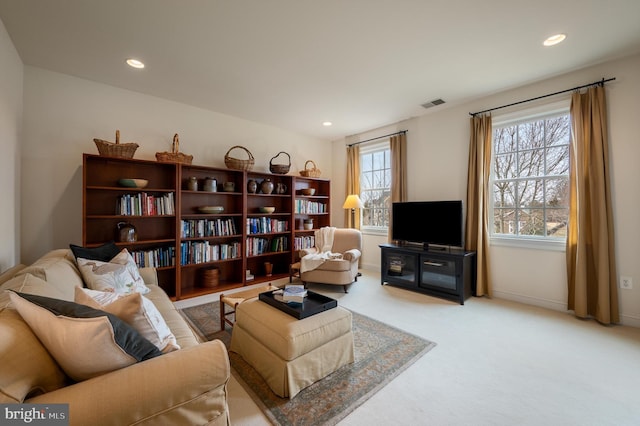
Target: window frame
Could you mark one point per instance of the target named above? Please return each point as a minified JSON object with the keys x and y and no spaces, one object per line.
{"x":371,"y":148}
{"x":509,"y":119}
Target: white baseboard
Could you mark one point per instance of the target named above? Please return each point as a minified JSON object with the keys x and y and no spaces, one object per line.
{"x":625,"y":319}
{"x":630,"y":320}
{"x":530,"y":300}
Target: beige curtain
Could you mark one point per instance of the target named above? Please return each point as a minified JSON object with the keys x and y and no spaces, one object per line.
{"x":398,"y":146}
{"x":591,"y":265}
{"x":478,"y":197}
{"x":353,"y":182}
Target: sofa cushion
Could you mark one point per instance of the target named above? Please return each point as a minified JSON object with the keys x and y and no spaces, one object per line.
{"x":86,"y":342}
{"x":103,"y":253}
{"x":27,"y":283}
{"x":119,"y":275}
{"x":10,"y":273}
{"x":58,"y":268}
{"x":26,"y":367}
{"x":134,"y":309}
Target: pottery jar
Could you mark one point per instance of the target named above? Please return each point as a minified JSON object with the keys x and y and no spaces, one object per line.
{"x":210,"y":185}
{"x":192,"y":183}
{"x":281,"y":188}
{"x":252,"y":186}
{"x":266,"y":186}
{"x":127,"y":232}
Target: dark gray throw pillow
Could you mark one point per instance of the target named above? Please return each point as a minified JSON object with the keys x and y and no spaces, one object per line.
{"x":103,"y":253}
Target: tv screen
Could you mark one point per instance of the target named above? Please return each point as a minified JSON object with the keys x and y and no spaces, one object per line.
{"x":428,"y":222}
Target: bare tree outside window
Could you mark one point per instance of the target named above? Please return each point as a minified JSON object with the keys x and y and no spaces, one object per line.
{"x":375,"y":187}
{"x":531,"y":177}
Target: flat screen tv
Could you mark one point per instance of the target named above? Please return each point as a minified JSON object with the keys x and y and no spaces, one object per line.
{"x":428,"y":222}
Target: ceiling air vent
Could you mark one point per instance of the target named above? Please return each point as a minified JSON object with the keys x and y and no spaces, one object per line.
{"x":433,"y":103}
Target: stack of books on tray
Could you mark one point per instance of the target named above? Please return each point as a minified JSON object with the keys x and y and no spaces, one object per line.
{"x":291,"y":294}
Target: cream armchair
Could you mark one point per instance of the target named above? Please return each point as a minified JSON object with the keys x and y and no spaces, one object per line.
{"x":344,"y":271}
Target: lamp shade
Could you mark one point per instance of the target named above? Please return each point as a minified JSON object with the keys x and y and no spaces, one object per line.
{"x":352,"y":202}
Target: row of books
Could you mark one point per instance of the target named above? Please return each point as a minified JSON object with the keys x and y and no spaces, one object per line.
{"x":257,"y":245}
{"x":155,"y":258}
{"x":310,"y":207}
{"x":192,"y":252}
{"x":263,"y":225}
{"x":305,"y":242}
{"x":198,"y":228}
{"x":143,"y":204}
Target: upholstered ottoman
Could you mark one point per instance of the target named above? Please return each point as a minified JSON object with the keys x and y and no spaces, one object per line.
{"x":291,"y":354}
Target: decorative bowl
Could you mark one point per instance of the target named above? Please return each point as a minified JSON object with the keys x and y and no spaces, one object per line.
{"x":211,"y":209}
{"x":267,"y":209}
{"x":133,"y":183}
{"x":308,"y":191}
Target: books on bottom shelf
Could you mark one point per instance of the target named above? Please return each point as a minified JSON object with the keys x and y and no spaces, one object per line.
{"x":291,"y":294}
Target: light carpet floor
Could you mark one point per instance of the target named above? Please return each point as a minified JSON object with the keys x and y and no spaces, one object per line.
{"x":497,"y":363}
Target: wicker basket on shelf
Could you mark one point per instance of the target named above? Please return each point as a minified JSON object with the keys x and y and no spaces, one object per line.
{"x":175,"y":156}
{"x":280,"y":169}
{"x":117,"y":149}
{"x":310,"y":172}
{"x":236,"y":164}
{"x":210,"y":277}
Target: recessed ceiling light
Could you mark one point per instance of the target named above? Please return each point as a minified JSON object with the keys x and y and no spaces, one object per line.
{"x":554,"y":39}
{"x":135,"y":63}
{"x":327,"y":123}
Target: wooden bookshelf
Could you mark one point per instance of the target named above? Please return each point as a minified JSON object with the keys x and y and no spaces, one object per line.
{"x":190,"y":237}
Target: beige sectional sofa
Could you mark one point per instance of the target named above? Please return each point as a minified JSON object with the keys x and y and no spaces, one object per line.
{"x":184,"y":387}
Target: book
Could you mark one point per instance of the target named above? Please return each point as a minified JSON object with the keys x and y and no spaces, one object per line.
{"x":294,"y":293}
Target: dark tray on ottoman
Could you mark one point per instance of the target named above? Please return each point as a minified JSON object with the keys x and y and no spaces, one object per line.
{"x":314,"y":303}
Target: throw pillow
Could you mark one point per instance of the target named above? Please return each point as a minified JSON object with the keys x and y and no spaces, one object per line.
{"x":119,"y":275}
{"x":26,"y":367}
{"x":134,"y":309}
{"x":103,"y":253}
{"x":85,"y":342}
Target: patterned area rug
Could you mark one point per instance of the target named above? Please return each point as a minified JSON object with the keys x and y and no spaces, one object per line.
{"x":381,"y":353}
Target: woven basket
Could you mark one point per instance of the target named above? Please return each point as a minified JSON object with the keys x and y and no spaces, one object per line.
{"x":175,"y":156}
{"x":280,"y":169}
{"x":210,"y":277}
{"x":234,"y":163}
{"x":312,"y":172}
{"x":110,"y":149}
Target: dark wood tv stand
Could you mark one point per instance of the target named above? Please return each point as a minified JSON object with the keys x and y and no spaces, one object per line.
{"x":450,"y":274}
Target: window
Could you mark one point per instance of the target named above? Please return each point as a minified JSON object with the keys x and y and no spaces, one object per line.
{"x":375,"y":186}
{"x":531,"y":176}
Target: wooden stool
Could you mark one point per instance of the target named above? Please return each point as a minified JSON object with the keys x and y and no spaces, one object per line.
{"x":294,"y":269}
{"x":234,"y":299}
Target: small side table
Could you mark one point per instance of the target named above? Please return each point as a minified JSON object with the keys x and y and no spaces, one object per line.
{"x":294,"y":270}
{"x":234,"y":299}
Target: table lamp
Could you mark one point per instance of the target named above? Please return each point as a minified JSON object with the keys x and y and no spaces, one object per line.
{"x":353,"y":202}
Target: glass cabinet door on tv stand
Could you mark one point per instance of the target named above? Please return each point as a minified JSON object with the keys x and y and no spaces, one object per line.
{"x":400,"y":267}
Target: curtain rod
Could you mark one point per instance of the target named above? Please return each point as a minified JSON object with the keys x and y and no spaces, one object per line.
{"x":595,"y":83}
{"x":379,"y":137}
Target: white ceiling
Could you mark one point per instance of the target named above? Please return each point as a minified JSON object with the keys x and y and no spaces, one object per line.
{"x":293,"y":64}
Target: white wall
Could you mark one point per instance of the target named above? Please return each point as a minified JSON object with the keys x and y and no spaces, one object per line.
{"x":62,"y":115}
{"x":437,"y":146}
{"x":11,"y":70}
